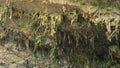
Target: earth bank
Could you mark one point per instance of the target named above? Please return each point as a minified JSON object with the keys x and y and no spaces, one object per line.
{"x":66,"y":32}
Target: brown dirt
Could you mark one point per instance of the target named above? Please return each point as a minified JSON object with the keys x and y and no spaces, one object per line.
{"x":39,"y":5}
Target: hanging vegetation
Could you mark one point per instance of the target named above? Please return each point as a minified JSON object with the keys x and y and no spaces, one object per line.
{"x":69,"y":35}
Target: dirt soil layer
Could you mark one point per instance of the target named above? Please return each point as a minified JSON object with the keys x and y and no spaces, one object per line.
{"x":38,"y":5}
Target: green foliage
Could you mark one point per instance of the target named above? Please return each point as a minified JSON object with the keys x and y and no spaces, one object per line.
{"x":113,"y":31}
{"x":5,"y":12}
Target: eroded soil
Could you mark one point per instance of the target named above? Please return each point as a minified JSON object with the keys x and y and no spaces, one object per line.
{"x":38,"y":5}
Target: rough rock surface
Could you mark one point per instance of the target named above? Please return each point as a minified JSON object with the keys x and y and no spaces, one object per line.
{"x":10,"y":58}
